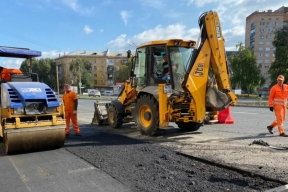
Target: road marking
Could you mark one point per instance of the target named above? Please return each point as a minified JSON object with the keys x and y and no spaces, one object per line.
{"x":80,"y":170}
{"x":246,"y":113}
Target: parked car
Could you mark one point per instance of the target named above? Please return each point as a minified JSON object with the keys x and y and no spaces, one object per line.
{"x":94,"y":93}
{"x":107,"y":93}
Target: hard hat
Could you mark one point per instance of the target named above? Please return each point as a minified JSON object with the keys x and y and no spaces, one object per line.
{"x":280,"y":77}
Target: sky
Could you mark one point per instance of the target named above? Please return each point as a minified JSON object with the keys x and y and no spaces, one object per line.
{"x":62,"y":26}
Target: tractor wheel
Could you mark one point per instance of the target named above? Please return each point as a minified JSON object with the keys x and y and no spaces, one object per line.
{"x":147,"y":115}
{"x":191,"y":126}
{"x":114,"y":118}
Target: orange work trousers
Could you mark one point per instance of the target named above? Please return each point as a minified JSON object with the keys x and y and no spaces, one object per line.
{"x":280,"y":113}
{"x":70,"y":116}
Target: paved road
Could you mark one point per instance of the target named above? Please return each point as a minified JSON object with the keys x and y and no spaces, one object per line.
{"x":54,"y":170}
{"x":59,"y":170}
{"x":223,"y":143}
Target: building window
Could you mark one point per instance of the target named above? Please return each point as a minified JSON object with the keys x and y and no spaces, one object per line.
{"x":261,"y":36}
{"x":277,"y":23}
{"x":111,"y":62}
{"x":95,"y":67}
{"x":269,"y":23}
{"x":268,"y":43}
{"x":269,"y":30}
{"x":102,"y":75}
{"x":95,"y":75}
{"x":102,"y":81}
{"x":95,"y":81}
{"x":260,"y":55}
{"x":268,"y":36}
{"x":102,"y":61}
{"x":267,"y":55}
{"x":260,"y":61}
{"x":267,"y":61}
{"x":124,"y":61}
{"x":253,"y":25}
{"x":252,"y":31}
{"x":260,"y":42}
{"x":260,"y":48}
{"x":102,"y":68}
{"x":95,"y":61}
{"x":262,"y":23}
{"x":117,"y":61}
{"x":285,"y":23}
{"x":261,"y":30}
{"x":267,"y":48}
{"x":266,"y":66}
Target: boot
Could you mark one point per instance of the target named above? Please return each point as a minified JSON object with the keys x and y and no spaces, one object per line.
{"x":283,"y":135}
{"x":270,"y":129}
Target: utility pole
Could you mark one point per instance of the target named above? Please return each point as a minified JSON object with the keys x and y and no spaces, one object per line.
{"x":57,"y":78}
{"x":80,"y":83}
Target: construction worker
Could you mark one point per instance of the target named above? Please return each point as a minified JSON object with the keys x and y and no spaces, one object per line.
{"x":6,"y":73}
{"x":278,"y":103}
{"x":70,"y":101}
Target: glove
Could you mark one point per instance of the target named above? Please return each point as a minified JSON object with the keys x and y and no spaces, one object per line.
{"x":74,"y":112}
{"x":271,"y":109}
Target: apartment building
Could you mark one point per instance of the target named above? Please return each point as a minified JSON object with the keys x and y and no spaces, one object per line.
{"x":102,"y":68}
{"x":259,"y":35}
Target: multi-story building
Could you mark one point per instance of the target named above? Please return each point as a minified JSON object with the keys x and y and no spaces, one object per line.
{"x":259,"y":35}
{"x":102,"y":68}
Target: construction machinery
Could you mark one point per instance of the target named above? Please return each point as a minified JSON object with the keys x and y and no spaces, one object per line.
{"x":198,"y":85}
{"x":31,"y":114}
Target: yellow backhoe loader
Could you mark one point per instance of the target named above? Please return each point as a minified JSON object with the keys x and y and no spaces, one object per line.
{"x":196,"y":86}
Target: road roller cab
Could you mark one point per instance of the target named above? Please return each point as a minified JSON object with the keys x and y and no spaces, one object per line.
{"x":31,"y":114}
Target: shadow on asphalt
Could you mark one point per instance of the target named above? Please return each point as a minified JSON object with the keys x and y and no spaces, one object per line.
{"x":259,"y":136}
{"x":93,"y":136}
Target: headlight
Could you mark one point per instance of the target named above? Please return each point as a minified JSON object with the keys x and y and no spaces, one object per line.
{"x":17,"y":111}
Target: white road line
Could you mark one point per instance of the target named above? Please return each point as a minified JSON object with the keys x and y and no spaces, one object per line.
{"x":246,"y":113}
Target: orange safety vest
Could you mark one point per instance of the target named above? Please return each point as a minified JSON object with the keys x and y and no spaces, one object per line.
{"x":278,"y":95}
{"x":68,"y":99}
{"x":6,"y":73}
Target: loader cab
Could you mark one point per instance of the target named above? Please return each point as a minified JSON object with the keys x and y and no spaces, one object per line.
{"x":152,"y":68}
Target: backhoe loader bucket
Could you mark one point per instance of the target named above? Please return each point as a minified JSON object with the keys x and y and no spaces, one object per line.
{"x":100,"y":114}
{"x":36,"y":138}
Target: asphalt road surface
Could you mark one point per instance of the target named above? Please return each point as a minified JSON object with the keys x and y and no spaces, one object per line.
{"x":105,"y":159}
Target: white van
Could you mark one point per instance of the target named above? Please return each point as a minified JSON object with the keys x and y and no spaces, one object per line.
{"x":108,"y":93}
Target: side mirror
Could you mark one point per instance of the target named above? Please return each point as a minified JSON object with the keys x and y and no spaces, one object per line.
{"x":128,"y":54}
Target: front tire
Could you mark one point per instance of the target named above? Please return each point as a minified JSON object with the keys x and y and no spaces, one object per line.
{"x":147,"y":115}
{"x":115,"y":120}
{"x":190,"y":126}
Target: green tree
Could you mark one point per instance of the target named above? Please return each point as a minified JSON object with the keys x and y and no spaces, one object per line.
{"x":45,"y":68}
{"x":245,"y":72}
{"x":280,"y":64}
{"x":123,"y":73}
{"x":81,"y":65}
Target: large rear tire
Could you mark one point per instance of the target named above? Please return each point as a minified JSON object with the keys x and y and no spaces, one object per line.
{"x":147,"y":115}
{"x":190,"y":126}
{"x":115,"y":120}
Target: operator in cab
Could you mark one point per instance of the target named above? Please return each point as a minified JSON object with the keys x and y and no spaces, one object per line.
{"x":6,"y":73}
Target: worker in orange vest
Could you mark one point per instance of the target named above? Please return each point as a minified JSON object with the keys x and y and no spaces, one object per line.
{"x":6,"y":73}
{"x":70,"y":100}
{"x":278,"y":103}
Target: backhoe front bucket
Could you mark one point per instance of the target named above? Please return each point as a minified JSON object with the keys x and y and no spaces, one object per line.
{"x":36,"y":138}
{"x":100,"y":113}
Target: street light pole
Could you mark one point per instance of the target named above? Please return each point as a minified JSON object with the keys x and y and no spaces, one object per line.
{"x":57,"y":78}
{"x":80,"y":83}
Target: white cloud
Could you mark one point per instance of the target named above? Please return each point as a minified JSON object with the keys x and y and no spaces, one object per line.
{"x":101,"y":30}
{"x":16,"y":63}
{"x":53,"y":54}
{"x":74,"y":5}
{"x":158,"y":33}
{"x":125,"y":15}
{"x":87,"y":29}
{"x":11,"y":63}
